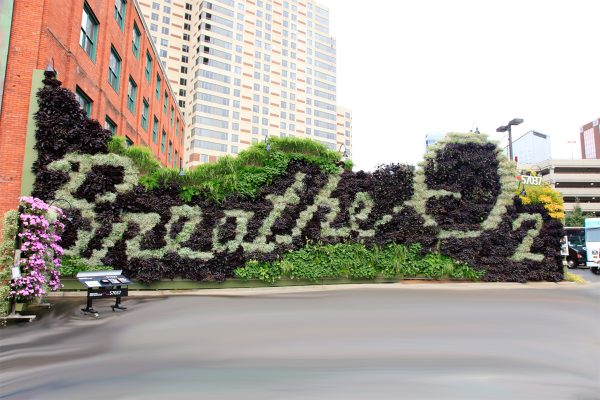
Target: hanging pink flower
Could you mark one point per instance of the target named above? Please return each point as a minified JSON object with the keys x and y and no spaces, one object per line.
{"x":40,"y":252}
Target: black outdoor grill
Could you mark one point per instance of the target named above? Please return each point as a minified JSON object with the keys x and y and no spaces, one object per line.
{"x":101,"y":284}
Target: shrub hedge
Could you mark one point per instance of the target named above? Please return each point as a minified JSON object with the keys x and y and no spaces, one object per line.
{"x":267,"y":206}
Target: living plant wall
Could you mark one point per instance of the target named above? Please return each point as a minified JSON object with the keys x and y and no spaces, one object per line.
{"x":459,"y":202}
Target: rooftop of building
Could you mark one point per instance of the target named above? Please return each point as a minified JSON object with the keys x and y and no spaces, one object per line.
{"x":563,"y":163}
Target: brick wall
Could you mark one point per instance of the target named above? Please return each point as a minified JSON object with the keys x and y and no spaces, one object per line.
{"x":22,"y":60}
{"x":47,"y":31}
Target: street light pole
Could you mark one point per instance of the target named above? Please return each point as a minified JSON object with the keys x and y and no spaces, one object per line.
{"x":507,"y":127}
{"x":571,"y":142}
{"x":510,"y":149}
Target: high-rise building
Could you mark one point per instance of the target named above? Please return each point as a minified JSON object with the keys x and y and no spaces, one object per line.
{"x":256,"y":68}
{"x":590,"y":139}
{"x":532,"y":147}
{"x":102,"y":52}
{"x":170,"y":24}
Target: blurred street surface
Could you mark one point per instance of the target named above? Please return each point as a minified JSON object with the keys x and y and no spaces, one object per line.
{"x":385,"y":343}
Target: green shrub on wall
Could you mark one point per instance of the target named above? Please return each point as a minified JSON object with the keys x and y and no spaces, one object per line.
{"x":71,"y":266}
{"x":7,"y":255}
{"x":356,"y":261}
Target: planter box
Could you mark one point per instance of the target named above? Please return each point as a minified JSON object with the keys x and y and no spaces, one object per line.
{"x":71,"y":284}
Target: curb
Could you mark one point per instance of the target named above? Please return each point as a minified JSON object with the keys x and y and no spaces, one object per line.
{"x":342,"y":287}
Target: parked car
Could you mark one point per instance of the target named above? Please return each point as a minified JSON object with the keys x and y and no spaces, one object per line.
{"x":577,"y":249}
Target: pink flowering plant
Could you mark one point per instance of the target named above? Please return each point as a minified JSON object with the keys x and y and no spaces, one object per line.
{"x":41,"y":254}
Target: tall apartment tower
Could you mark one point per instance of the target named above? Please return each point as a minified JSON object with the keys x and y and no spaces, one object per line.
{"x":253,"y":69}
{"x":170,"y":23}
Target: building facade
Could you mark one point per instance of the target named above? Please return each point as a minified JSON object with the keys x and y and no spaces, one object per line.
{"x":432,"y":138}
{"x":256,"y":69}
{"x":576,"y":180}
{"x":170,"y":26}
{"x":532,"y":147}
{"x":102,"y":52}
{"x":344,"y":131}
{"x":590,"y":140}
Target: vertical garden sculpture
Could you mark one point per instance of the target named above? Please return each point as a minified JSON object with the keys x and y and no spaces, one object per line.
{"x":459,"y":202}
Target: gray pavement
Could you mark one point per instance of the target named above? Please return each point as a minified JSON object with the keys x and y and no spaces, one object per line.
{"x":386,"y":342}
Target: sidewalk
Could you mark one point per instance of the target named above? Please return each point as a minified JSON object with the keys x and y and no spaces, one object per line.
{"x":405,"y":285}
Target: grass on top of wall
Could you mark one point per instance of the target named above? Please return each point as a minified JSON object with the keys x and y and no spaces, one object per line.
{"x":242,"y":175}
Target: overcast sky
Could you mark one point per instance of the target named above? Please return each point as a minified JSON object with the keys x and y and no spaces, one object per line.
{"x":407,"y":68}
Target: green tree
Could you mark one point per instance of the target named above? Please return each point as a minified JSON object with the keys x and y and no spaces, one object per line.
{"x":575,"y":217}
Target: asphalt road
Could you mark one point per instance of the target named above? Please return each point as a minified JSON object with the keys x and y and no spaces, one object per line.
{"x":352,"y":344}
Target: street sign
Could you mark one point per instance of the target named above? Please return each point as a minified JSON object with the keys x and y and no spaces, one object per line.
{"x":530,"y":180}
{"x":564,"y":246}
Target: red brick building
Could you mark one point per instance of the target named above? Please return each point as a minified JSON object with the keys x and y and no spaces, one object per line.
{"x":590,"y":139}
{"x":101,"y":51}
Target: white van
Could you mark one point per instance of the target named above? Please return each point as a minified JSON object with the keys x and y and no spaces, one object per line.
{"x":592,"y":242}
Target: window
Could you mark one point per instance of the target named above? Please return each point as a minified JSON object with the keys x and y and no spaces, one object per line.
{"x":148,"y":67}
{"x":157,"y":87}
{"x":205,"y":144}
{"x":209,"y":133}
{"x":175,"y":159}
{"x":89,"y":31}
{"x":172,"y":115}
{"x":114,"y":69}
{"x":165,"y":105}
{"x":135,"y":40}
{"x":120,"y":6}
{"x":145,"y":108}
{"x":131,"y":94}
{"x":128,"y":141}
{"x":588,"y":143}
{"x":163,"y":142}
{"x":110,"y":125}
{"x":155,"y":130}
{"x":170,"y":152}
{"x":84,"y":101}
